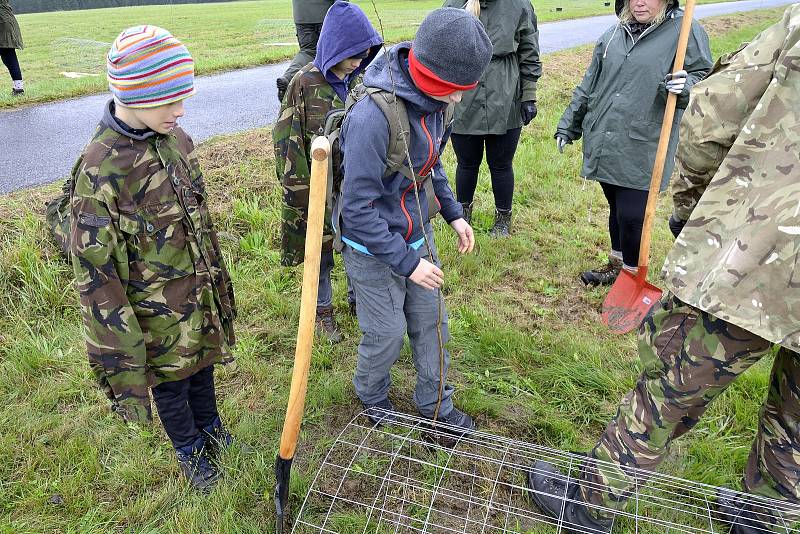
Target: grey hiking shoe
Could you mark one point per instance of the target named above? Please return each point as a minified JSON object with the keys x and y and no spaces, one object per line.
{"x":502,"y":223}
{"x":196,"y":465}
{"x":553,"y":496}
{"x":326,"y":324}
{"x":467,"y":207}
{"x":604,"y":276}
{"x":381,"y":413}
{"x":454,"y":426}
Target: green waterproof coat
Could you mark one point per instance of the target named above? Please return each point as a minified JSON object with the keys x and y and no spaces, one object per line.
{"x":619,"y":106}
{"x":310,"y":11}
{"x":493,"y":107}
{"x":10,"y":36}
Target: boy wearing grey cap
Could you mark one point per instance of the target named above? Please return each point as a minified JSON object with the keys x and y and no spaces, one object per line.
{"x":395,"y":275}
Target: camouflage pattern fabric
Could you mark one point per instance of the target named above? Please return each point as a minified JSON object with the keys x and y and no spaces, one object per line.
{"x":57,"y":215}
{"x":737,"y":255}
{"x":688,"y":358}
{"x":156,"y":299}
{"x":308,"y":100}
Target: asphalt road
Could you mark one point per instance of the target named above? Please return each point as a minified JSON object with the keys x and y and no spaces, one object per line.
{"x":39,"y":144}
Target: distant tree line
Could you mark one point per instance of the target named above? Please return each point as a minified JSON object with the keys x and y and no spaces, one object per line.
{"x":38,"y":6}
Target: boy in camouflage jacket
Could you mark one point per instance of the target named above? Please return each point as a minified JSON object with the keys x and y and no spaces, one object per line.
{"x":157,"y":301}
{"x":732,"y":297}
{"x":348,"y":44}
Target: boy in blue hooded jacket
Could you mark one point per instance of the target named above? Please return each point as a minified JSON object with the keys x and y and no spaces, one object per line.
{"x":396,"y":277}
{"x":347,"y":44}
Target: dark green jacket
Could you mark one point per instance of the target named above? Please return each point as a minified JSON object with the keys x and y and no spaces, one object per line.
{"x":10,"y":36}
{"x":493,"y":107}
{"x":619,"y":106}
{"x":310,"y":11}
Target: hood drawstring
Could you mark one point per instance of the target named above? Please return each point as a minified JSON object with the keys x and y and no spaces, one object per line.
{"x":612,"y":38}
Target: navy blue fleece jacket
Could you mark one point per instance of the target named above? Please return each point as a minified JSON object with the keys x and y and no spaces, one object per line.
{"x":380,"y":214}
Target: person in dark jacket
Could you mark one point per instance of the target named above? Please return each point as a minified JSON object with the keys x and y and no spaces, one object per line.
{"x":390,"y":254}
{"x":618,"y":109}
{"x":308,"y":16}
{"x":347,"y":44}
{"x":10,"y":41}
{"x":504,"y":101}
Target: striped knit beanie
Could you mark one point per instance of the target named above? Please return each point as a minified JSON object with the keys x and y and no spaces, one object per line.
{"x":148,"y":67}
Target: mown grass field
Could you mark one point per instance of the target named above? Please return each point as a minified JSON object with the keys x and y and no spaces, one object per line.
{"x":530,"y":358}
{"x":221,"y":36}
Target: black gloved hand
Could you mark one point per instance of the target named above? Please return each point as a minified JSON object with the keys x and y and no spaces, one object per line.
{"x":529,"y":111}
{"x":676,"y":226}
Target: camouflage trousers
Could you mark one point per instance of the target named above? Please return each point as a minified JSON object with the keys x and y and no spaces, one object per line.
{"x":689,"y":357}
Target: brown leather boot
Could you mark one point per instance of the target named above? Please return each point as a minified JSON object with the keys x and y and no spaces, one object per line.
{"x":326,"y":324}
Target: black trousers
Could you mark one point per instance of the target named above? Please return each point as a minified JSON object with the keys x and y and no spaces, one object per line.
{"x":500,"y":150}
{"x":307,"y":38}
{"x":9,"y":57}
{"x":625,"y":220}
{"x":186,"y":406}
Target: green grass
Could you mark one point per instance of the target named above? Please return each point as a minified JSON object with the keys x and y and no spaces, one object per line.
{"x":221,"y":36}
{"x":530,"y":357}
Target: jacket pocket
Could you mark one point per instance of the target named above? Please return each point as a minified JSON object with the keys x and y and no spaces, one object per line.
{"x":157,"y":244}
{"x":644,"y":130}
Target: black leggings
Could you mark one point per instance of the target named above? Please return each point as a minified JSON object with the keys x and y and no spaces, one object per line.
{"x":625,"y":220}
{"x":186,"y":406}
{"x":9,"y":56}
{"x":500,"y":150}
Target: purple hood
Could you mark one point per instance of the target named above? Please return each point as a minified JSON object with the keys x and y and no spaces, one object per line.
{"x":346,"y":32}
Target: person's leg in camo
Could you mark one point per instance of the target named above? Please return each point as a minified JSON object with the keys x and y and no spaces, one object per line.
{"x":688,"y":358}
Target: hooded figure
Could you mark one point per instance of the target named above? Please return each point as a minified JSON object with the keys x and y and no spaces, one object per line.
{"x":618,"y":109}
{"x":347,"y":44}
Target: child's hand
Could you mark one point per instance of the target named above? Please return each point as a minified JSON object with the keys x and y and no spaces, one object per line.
{"x":427,"y":275}
{"x":466,"y":239}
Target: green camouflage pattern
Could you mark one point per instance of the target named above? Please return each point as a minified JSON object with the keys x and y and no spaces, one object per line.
{"x":737,"y":255}
{"x":156,"y":299}
{"x":688,"y":358}
{"x":308,"y":100}
{"x":57,"y":215}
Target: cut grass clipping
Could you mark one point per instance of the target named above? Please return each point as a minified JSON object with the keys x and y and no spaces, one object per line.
{"x":530,"y":357}
{"x":65,"y":51}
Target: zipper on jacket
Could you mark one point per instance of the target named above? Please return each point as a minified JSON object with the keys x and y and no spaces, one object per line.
{"x":405,"y":211}
{"x":431,"y":161}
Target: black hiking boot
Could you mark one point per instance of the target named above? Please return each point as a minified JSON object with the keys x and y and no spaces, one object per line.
{"x":282,"y":85}
{"x":604,"y":276}
{"x":447,"y":429}
{"x":467,"y":207}
{"x":551,"y":494}
{"x":218,"y":439}
{"x":351,"y":308}
{"x":381,"y":413}
{"x":326,"y":324}
{"x":195,"y":464}
{"x":17,"y":92}
{"x":733,"y":510}
{"x":502,"y":223}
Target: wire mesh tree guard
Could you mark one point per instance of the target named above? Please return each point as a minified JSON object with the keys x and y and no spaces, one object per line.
{"x":409,"y":477}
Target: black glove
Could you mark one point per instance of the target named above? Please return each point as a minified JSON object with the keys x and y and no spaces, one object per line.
{"x":529,"y":111}
{"x":676,"y":226}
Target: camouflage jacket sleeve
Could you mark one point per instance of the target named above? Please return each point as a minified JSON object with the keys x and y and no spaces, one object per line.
{"x":114,"y":339}
{"x":717,"y":112}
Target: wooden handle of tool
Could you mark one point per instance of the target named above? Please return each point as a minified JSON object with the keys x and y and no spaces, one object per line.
{"x":663,"y":142}
{"x":320,"y":150}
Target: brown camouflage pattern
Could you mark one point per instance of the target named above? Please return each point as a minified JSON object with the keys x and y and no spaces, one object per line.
{"x":737,"y":255}
{"x":308,"y":100}
{"x":156,"y":298}
{"x":688,"y":358}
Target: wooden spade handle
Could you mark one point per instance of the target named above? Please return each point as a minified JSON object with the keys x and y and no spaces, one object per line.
{"x":663,"y":142}
{"x":320,"y":150}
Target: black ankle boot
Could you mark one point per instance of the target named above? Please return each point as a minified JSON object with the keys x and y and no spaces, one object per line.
{"x":502,"y":223}
{"x":467,"y":207}
{"x":605,"y":275}
{"x":196,"y":466}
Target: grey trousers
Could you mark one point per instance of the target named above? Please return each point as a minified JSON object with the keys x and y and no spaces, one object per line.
{"x":325,"y":291}
{"x":307,"y":38}
{"x":389,"y":306}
